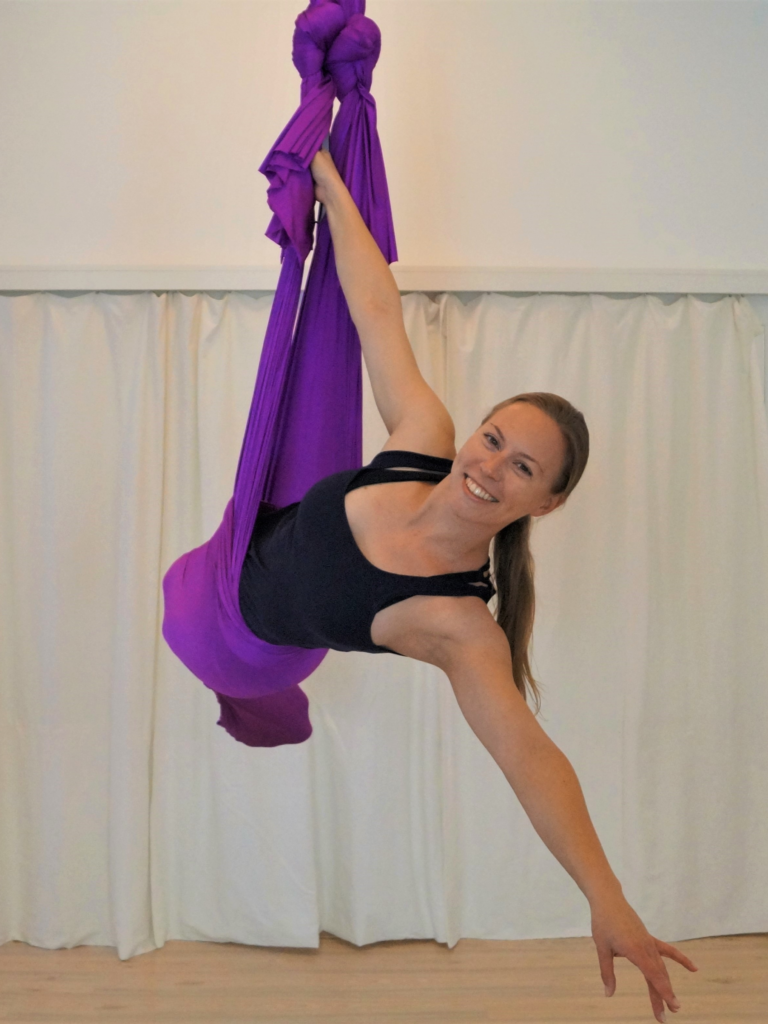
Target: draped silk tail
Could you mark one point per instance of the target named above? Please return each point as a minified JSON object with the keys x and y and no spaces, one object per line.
{"x":305,"y":420}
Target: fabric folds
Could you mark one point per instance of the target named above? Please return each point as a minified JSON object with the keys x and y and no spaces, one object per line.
{"x":305,"y":420}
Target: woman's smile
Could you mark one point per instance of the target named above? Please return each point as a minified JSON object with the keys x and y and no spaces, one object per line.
{"x":476,"y":491}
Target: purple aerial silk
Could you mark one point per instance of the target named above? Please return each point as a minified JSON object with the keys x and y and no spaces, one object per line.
{"x":305,"y":420}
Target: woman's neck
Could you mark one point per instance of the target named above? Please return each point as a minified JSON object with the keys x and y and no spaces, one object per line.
{"x":446,"y":535}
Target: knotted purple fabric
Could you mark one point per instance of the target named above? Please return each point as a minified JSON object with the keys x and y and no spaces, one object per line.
{"x":305,"y":420}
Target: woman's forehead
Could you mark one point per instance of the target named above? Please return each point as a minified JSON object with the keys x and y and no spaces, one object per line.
{"x":526,"y":427}
{"x":523,"y":416}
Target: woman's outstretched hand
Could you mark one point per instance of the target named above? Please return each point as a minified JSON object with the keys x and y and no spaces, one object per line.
{"x":618,"y":931}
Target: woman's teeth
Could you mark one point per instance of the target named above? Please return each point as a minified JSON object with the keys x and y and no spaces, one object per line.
{"x":477,"y":490}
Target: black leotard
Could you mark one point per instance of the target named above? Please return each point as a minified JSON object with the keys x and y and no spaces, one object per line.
{"x":306,"y":583}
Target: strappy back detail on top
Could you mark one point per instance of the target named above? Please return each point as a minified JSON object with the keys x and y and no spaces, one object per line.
{"x":306,"y":583}
{"x":386,"y":468}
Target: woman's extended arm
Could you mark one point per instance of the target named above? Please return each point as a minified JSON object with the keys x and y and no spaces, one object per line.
{"x":474,"y":653}
{"x":549,"y":791}
{"x":373,"y":298}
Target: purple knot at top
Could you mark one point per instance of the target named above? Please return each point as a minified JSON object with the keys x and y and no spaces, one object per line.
{"x":335,"y":49}
{"x":331,"y":39}
{"x":316,"y":29}
{"x":350,"y":6}
{"x":353,"y":54}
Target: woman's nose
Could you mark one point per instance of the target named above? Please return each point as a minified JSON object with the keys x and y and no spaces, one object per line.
{"x":492,"y":465}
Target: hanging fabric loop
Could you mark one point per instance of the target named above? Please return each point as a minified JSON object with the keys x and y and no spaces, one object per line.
{"x":305,"y":420}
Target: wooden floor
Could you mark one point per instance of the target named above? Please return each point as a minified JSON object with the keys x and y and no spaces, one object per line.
{"x":545,"y":980}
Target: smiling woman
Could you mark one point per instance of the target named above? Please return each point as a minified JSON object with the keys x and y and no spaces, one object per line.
{"x":521,"y":463}
{"x":406,"y":569}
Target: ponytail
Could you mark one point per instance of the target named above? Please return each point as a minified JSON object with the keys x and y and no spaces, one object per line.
{"x":512,"y":559}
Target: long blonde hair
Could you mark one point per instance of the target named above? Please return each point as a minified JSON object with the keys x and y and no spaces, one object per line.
{"x":512,"y":559}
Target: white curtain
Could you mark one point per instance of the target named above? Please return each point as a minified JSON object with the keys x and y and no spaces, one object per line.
{"x":127,"y":817}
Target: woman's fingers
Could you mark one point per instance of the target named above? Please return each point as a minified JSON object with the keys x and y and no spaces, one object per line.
{"x":322,"y":165}
{"x":657,"y":1003}
{"x":618,"y":931}
{"x":674,"y":954}
{"x":605,"y":959}
{"x":659,"y":984}
{"x":324,"y":174}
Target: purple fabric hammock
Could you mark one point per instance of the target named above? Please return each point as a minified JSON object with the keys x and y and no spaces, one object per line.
{"x":305,"y":420}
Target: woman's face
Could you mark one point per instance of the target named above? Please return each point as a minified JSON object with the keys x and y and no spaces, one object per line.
{"x":508,"y":467}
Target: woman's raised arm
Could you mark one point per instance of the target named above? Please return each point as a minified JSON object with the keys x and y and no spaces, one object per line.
{"x":403,"y":397}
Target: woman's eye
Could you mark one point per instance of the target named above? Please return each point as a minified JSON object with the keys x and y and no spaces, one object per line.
{"x":492,"y":437}
{"x":527,"y":470}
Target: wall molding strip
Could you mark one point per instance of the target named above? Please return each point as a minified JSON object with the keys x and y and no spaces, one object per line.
{"x":428,"y":279}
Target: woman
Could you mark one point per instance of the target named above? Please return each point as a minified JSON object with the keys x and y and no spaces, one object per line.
{"x":405,"y":568}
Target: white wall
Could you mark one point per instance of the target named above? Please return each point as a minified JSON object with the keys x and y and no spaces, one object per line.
{"x":559,"y":135}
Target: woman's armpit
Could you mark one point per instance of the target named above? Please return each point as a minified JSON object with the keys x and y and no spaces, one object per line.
{"x":433,"y":628}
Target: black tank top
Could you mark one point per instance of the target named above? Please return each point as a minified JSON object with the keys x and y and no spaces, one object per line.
{"x":306,"y":583}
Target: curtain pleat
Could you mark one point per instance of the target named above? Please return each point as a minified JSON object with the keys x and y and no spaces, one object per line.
{"x":127,"y":818}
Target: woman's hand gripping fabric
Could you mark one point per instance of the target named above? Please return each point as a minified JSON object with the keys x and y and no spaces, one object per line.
{"x":325,"y":175}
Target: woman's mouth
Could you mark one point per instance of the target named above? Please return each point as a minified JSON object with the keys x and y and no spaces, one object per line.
{"x":476,"y":490}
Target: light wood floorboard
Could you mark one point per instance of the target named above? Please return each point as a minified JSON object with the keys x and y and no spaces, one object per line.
{"x":543,"y":981}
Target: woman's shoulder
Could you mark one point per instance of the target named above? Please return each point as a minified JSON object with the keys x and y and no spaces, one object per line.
{"x":424,"y":435}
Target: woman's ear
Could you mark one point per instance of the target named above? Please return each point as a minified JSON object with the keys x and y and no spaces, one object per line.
{"x":552,"y":502}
